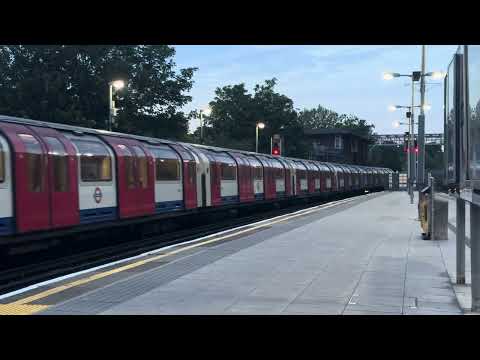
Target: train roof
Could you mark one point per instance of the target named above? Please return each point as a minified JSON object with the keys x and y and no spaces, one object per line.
{"x":78,"y":130}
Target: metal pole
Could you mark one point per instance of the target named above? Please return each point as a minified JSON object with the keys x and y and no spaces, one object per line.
{"x":421,"y":128}
{"x":201,"y":127}
{"x":110,"y":105}
{"x":460,"y":241}
{"x":475,"y":255}
{"x":410,"y":144}
{"x":256,"y":139}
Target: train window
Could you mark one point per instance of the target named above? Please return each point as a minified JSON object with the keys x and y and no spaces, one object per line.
{"x":167,"y":164}
{"x":191,"y":172}
{"x":228,"y":171}
{"x":2,"y":165}
{"x":60,"y":164}
{"x":95,"y":161}
{"x":142,"y":167}
{"x":258,"y":173}
{"x":34,"y":161}
{"x":167,"y":169}
{"x":129,"y":165}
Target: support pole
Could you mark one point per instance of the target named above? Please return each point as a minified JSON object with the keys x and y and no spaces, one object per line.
{"x":475,"y":255}
{"x":110,"y":105}
{"x":460,"y":237}
{"x":411,"y":154}
{"x":421,"y":128}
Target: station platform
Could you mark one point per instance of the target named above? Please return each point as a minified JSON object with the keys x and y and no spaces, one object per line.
{"x":362,"y":255}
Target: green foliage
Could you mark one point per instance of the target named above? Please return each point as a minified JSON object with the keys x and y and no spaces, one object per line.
{"x":322,"y":118}
{"x":69,"y":84}
{"x":235,"y":113}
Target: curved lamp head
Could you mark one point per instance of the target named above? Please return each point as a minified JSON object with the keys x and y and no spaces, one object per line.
{"x":261,"y":125}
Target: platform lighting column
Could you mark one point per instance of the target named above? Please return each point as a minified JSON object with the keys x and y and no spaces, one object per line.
{"x":113,"y":85}
{"x":411,"y":153}
{"x":421,"y":128}
{"x":259,"y":125}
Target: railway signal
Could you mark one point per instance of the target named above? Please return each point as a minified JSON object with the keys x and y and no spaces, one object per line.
{"x":276,"y":145}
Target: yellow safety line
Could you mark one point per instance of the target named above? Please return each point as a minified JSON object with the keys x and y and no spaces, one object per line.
{"x":104,"y":274}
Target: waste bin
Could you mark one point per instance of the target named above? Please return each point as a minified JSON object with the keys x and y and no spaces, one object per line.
{"x":440,"y":218}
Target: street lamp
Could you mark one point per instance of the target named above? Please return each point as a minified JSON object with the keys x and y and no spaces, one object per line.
{"x":207,"y":111}
{"x":117,"y":85}
{"x":260,"y":125}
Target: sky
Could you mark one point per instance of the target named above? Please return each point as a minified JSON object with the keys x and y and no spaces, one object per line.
{"x":343,"y":78}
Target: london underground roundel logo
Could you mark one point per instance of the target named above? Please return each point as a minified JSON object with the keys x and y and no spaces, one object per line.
{"x":97,"y":195}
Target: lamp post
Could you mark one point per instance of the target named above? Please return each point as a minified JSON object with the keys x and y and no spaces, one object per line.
{"x":207,"y":111}
{"x":418,"y":76}
{"x":259,"y":125}
{"x":411,"y":136}
{"x":113,"y":85}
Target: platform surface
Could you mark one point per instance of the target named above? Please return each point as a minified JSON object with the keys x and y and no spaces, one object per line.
{"x":363,"y":256}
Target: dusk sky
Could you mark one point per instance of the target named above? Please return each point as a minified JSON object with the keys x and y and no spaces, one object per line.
{"x":346,"y":79}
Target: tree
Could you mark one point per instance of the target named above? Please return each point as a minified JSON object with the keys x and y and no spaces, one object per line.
{"x":69,"y":84}
{"x":235,"y":113}
{"x":322,"y":118}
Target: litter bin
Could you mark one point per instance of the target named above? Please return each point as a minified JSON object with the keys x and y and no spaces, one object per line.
{"x":440,"y":218}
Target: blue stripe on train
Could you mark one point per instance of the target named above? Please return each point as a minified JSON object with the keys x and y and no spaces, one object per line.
{"x":259,"y":196}
{"x":88,"y":216}
{"x":7,"y":226}
{"x":229,"y":199}
{"x":166,"y":206}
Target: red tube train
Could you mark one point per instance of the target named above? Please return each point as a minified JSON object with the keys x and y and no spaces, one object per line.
{"x":55,"y":177}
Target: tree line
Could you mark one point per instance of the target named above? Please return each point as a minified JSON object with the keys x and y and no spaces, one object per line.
{"x":69,"y":84}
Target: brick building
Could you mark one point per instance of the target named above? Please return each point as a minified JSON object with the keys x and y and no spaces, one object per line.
{"x":338,"y":145}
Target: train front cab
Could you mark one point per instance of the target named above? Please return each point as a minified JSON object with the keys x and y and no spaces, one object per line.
{"x":39,"y":179}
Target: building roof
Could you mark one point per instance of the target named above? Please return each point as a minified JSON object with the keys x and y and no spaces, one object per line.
{"x":334,"y":131}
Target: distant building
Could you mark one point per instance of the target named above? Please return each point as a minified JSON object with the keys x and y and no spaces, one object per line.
{"x":338,"y":145}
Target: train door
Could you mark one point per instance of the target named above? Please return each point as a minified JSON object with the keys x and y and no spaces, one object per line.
{"x":6,"y":189}
{"x":31,"y":198}
{"x":189,"y":176}
{"x":62,"y":177}
{"x":136,"y":183}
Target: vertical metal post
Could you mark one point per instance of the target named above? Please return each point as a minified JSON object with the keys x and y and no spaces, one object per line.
{"x":475,"y":255}
{"x":410,"y":144}
{"x":460,"y":238}
{"x":256,"y":138}
{"x":110,"y":105}
{"x":201,"y":127}
{"x":432,"y":207}
{"x":421,"y":127}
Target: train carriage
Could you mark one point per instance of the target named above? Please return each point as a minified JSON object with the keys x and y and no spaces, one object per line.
{"x":55,"y":176}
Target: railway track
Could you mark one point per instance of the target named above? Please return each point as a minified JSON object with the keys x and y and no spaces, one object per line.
{"x":21,"y":276}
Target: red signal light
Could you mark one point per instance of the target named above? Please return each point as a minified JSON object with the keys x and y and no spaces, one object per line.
{"x":275,"y":149}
